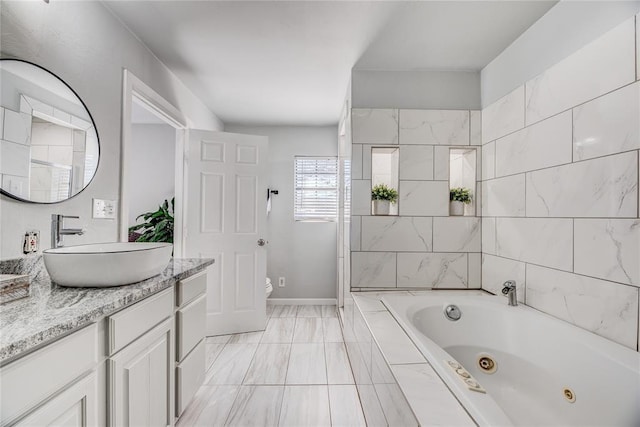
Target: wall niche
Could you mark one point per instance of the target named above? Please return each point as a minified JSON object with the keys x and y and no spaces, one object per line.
{"x":462,"y":175}
{"x":385,"y":171}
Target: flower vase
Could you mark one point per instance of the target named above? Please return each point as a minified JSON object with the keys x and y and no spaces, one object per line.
{"x":457,"y":208}
{"x":381,"y":207}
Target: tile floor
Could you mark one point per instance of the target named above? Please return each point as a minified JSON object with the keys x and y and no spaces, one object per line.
{"x":295,"y":373}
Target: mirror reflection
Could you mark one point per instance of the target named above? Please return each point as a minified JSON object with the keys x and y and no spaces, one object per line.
{"x":49,"y":148}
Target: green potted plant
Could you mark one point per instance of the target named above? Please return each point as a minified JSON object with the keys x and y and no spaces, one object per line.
{"x":382,"y":197}
{"x":157,"y":225}
{"x":459,"y":197}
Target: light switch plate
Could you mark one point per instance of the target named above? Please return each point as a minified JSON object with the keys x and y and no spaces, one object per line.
{"x":104,"y":209}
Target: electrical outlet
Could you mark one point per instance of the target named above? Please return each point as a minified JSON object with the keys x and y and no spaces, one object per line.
{"x":104,"y":209}
{"x":281,"y":283}
{"x":31,"y":242}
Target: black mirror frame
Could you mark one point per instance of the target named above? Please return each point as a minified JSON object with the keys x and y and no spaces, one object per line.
{"x":95,"y":127}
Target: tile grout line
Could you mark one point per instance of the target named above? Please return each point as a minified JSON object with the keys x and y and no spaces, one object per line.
{"x":572,"y":133}
{"x":235,"y":399}
{"x":559,"y":165}
{"x":326,"y":371}
{"x":635,"y":44}
{"x":284,"y":385}
{"x":560,"y":112}
{"x":564,"y":271}
{"x":573,"y":245}
{"x":355,"y":385}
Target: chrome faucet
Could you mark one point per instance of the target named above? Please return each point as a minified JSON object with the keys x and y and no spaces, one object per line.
{"x":58,"y":230}
{"x":509,"y":289}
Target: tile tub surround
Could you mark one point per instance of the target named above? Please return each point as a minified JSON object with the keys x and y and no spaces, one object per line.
{"x":561,"y":212}
{"x":303,"y":380}
{"x":52,"y":311}
{"x":397,"y":385}
{"x":422,"y":247}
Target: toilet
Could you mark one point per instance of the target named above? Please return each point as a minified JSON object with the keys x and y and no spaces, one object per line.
{"x":268,"y":287}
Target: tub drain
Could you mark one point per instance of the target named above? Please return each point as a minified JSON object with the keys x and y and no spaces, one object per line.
{"x":487,"y":364}
{"x":569,"y":395}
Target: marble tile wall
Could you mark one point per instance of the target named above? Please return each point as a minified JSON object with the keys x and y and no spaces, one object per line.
{"x":15,"y":146}
{"x":560,"y":205}
{"x":422,"y":247}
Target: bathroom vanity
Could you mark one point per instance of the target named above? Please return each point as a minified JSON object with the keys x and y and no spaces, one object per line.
{"x":130,"y":355}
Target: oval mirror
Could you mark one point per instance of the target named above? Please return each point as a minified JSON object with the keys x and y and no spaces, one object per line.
{"x":49,"y":144}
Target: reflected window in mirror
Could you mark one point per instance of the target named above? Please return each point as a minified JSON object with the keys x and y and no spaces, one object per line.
{"x":49,"y":149}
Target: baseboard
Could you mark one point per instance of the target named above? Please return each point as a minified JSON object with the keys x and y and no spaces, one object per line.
{"x":302,"y":301}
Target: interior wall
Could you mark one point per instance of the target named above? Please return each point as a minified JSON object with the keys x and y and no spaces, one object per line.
{"x":152,"y":174}
{"x":422,"y":247}
{"x":455,"y":90}
{"x":344,"y":207}
{"x":305,"y":253}
{"x":87,"y":47}
{"x":560,"y":191}
{"x":565,"y":28}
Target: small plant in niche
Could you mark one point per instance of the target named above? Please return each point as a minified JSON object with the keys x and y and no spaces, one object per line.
{"x":382,"y":197}
{"x":157,"y":225}
{"x":459,"y":196}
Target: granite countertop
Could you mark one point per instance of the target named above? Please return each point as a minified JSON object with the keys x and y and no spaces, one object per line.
{"x":52,"y":311}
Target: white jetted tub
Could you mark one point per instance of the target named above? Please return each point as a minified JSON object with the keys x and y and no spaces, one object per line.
{"x":546,"y":372}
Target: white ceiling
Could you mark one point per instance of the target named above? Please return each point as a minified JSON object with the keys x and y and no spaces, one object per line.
{"x":289,"y":62}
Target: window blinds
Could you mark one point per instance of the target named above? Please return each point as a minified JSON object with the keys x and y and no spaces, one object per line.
{"x":316,"y":181}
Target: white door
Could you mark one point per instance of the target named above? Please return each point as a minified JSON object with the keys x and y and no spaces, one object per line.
{"x":226,"y":220}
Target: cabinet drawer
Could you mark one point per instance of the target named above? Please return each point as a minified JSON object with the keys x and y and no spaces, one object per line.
{"x":23,"y":384}
{"x":189,"y":377}
{"x":191,"y":323}
{"x":131,"y":323}
{"x":191,"y":287}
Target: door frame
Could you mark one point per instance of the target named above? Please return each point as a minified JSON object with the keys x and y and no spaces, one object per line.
{"x":133,"y":87}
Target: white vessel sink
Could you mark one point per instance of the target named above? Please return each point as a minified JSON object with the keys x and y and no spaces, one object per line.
{"x":106,"y":264}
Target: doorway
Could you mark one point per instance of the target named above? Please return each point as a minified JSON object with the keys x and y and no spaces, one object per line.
{"x":152,"y":177}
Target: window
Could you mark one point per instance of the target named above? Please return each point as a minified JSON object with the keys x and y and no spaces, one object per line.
{"x":316,"y":184}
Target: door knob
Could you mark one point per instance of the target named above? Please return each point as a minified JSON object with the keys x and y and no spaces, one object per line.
{"x":262,"y":242}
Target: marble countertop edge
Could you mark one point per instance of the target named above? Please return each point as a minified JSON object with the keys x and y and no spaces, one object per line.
{"x":21,"y":334}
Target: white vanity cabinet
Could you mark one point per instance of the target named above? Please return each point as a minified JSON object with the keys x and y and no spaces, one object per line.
{"x":140,"y":372}
{"x":45,"y":376}
{"x":191,"y":315}
{"x":140,"y":366}
{"x":76,"y":406}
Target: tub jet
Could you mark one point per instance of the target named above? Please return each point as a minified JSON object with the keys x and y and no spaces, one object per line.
{"x":487,"y":364}
{"x":569,"y":395}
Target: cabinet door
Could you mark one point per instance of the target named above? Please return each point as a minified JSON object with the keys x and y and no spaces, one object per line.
{"x":74,"y":407}
{"x":141,"y":380}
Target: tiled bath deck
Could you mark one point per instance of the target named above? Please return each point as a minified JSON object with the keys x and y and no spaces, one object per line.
{"x":397,"y":385}
{"x":295,"y":373}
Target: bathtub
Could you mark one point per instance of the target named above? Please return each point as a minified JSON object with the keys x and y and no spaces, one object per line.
{"x":541,"y":363}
